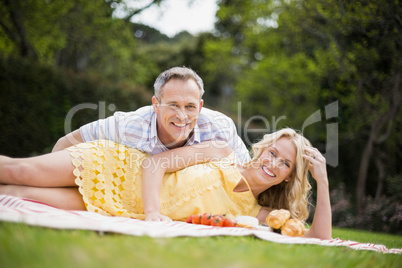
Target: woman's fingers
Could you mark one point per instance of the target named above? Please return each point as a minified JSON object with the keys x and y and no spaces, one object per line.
{"x":317,"y":164}
{"x":313,"y":153}
{"x":157,"y":217}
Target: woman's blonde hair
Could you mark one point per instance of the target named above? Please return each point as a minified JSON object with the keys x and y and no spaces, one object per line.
{"x":292,"y":195}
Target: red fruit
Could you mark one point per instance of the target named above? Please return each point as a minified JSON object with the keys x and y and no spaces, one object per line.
{"x":197,"y":219}
{"x":190,"y":219}
{"x":229,"y":223}
{"x":206,"y":219}
{"x":217,"y":220}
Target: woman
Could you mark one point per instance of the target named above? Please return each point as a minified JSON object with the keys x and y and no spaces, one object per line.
{"x":115,"y":180}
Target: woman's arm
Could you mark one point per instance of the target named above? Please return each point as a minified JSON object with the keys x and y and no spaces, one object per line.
{"x":155,"y":167}
{"x":322,"y":222}
{"x":263,"y":214}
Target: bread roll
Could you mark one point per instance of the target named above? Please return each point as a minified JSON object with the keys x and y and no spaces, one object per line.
{"x":277,"y":218}
{"x":293,"y":227}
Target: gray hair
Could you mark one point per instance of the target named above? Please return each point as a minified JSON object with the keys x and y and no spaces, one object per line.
{"x":181,"y":73}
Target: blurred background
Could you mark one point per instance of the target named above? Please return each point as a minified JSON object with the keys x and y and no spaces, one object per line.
{"x":265,"y":63}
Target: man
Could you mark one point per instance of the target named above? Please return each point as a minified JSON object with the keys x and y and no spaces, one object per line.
{"x":175,"y":119}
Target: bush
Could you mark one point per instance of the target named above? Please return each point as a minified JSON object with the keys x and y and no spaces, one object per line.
{"x":35,"y":99}
{"x":342,"y":210}
{"x":381,"y":215}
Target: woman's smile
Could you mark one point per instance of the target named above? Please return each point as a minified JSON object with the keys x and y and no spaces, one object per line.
{"x":268,"y":171}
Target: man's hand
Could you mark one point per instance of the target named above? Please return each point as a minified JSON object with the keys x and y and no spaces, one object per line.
{"x":68,"y":140}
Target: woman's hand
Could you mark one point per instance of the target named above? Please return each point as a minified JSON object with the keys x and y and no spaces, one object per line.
{"x":156,"y":216}
{"x":318,"y":165}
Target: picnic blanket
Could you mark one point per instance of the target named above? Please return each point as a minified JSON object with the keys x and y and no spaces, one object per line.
{"x":15,"y":209}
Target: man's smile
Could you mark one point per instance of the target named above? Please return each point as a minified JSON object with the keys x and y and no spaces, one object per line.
{"x":180,"y":125}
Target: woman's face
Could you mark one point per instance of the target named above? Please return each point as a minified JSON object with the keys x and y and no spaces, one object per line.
{"x":276,"y":163}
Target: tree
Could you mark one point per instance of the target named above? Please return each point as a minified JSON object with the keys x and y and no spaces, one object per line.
{"x":129,"y":11}
{"x":365,"y":37}
{"x":309,"y":53}
{"x":20,"y":23}
{"x":69,"y":34}
{"x":251,"y":58}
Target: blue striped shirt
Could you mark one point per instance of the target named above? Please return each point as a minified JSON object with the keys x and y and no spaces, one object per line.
{"x":137,"y":129}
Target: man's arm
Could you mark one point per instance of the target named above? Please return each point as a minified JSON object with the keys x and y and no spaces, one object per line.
{"x":237,"y":144}
{"x":221,"y":127}
{"x":68,"y":140}
{"x":155,"y":167}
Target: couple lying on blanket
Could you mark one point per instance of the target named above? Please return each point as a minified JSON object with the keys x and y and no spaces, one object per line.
{"x":112,"y":179}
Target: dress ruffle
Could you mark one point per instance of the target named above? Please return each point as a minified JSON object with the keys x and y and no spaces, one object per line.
{"x":105,"y":175}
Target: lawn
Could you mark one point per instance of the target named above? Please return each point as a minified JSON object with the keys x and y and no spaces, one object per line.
{"x":25,"y":246}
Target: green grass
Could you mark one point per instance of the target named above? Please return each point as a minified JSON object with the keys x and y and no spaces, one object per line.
{"x":26,"y":246}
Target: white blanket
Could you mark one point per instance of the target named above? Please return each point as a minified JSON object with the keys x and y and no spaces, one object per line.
{"x":14,"y":209}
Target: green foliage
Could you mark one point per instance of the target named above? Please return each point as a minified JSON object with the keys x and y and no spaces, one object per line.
{"x":33,"y":22}
{"x":149,"y":35}
{"x":284,"y":83}
{"x":394,"y":188}
{"x":159,"y":53}
{"x":220,"y":68}
{"x":35,"y":101}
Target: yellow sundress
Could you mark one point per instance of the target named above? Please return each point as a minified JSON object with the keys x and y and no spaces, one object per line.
{"x":108,"y":176}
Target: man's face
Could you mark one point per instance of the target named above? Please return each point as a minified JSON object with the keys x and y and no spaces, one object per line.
{"x":177,"y":111}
